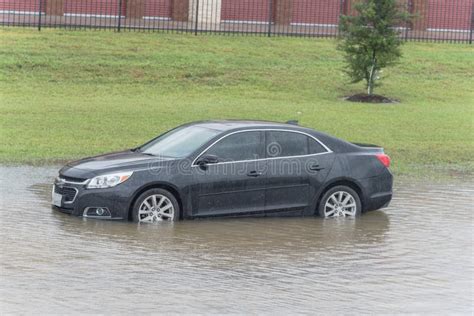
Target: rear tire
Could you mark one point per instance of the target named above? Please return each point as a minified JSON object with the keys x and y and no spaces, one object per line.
{"x":155,"y":205}
{"x":340,"y":201}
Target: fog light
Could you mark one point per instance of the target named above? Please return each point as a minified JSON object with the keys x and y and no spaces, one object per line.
{"x":97,"y":212}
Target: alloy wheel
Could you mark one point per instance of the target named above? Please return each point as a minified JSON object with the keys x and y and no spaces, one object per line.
{"x":340,"y":204}
{"x":156,"y":208}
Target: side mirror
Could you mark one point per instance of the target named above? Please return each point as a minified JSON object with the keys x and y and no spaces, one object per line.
{"x":206,"y":160}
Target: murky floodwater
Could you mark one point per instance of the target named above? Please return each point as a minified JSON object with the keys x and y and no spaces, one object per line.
{"x":414,"y":257}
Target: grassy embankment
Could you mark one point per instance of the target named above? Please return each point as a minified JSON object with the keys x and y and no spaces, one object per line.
{"x":64,"y":95}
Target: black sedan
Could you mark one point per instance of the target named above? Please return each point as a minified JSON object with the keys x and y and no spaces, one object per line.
{"x":228,"y":168}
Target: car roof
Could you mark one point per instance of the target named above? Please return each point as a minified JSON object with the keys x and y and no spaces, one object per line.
{"x":228,"y":125}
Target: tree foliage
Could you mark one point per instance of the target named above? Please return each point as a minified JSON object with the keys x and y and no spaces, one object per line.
{"x":371,"y":39}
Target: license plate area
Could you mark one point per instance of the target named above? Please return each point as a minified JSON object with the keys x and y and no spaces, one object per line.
{"x":57,"y":199}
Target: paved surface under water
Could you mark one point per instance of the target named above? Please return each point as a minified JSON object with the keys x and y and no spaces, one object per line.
{"x":414,"y":257}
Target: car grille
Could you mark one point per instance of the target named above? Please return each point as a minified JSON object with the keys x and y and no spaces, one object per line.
{"x":71,"y":179}
{"x":68,"y":193}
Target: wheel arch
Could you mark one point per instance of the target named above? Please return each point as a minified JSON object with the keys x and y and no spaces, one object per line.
{"x":157,"y":185}
{"x":351,"y":183}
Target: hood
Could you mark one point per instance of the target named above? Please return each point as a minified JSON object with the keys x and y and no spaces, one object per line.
{"x":113,"y":162}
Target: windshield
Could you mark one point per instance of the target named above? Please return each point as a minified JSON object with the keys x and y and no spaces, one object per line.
{"x":179,"y":142}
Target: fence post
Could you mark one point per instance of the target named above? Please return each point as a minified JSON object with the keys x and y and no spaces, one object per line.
{"x":342,"y":11}
{"x":39,"y":12}
{"x":472,"y":24}
{"x":119,"y":23}
{"x":270,"y":17}
{"x":410,"y":8}
{"x":196,"y":19}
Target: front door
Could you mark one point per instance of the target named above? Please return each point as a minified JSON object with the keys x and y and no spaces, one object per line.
{"x":236,"y":182}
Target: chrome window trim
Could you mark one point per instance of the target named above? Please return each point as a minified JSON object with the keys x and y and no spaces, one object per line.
{"x":328,"y":150}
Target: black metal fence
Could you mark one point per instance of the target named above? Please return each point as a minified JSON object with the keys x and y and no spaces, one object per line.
{"x":436,"y":20}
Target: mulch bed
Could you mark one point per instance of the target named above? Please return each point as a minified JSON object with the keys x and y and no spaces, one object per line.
{"x":365,"y":98}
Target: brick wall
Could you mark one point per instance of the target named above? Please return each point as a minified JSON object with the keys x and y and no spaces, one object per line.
{"x":20,"y":5}
{"x":316,"y":12}
{"x":157,"y":8}
{"x":449,"y":14}
{"x":92,"y":7}
{"x":245,"y":10}
{"x":435,"y":14}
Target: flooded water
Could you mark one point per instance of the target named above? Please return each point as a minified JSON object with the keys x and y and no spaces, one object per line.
{"x":414,"y":257}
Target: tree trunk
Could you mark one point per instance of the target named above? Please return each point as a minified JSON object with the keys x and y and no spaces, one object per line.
{"x":373,"y":71}
{"x":370,"y":88}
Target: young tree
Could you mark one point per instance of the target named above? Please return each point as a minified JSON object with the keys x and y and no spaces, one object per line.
{"x":371,"y":39}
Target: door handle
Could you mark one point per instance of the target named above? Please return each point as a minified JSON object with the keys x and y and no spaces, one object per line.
{"x":254,"y":174}
{"x":316,"y":167}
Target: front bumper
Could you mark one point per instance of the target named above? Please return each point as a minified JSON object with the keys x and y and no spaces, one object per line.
{"x":114,"y":200}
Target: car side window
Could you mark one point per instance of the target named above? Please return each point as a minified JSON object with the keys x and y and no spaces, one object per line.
{"x":239,"y":146}
{"x":286,"y":144}
{"x":315,"y":147}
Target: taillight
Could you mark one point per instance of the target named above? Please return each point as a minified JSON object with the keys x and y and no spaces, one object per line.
{"x":384,"y":159}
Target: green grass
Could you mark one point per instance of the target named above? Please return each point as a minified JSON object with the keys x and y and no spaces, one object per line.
{"x":65,"y":95}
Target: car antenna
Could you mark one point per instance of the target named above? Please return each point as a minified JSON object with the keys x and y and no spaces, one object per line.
{"x":292,"y":122}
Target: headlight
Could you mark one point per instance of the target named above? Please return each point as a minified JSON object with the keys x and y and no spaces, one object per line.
{"x":108,"y":180}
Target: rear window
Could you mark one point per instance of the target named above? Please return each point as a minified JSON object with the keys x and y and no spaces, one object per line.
{"x":315,"y":147}
{"x":288,"y":144}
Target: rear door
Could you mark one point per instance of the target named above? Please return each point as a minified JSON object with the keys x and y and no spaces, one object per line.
{"x":297,"y":165}
{"x":236,"y":183}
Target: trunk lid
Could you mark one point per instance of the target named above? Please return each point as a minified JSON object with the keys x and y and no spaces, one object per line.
{"x":371,"y":148}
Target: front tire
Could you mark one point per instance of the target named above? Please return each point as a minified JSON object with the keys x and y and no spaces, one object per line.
{"x":340,"y":201}
{"x":155,"y":205}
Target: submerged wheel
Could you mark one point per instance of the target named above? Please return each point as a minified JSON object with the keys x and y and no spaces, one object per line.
{"x":155,"y":205}
{"x":340,"y":201}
